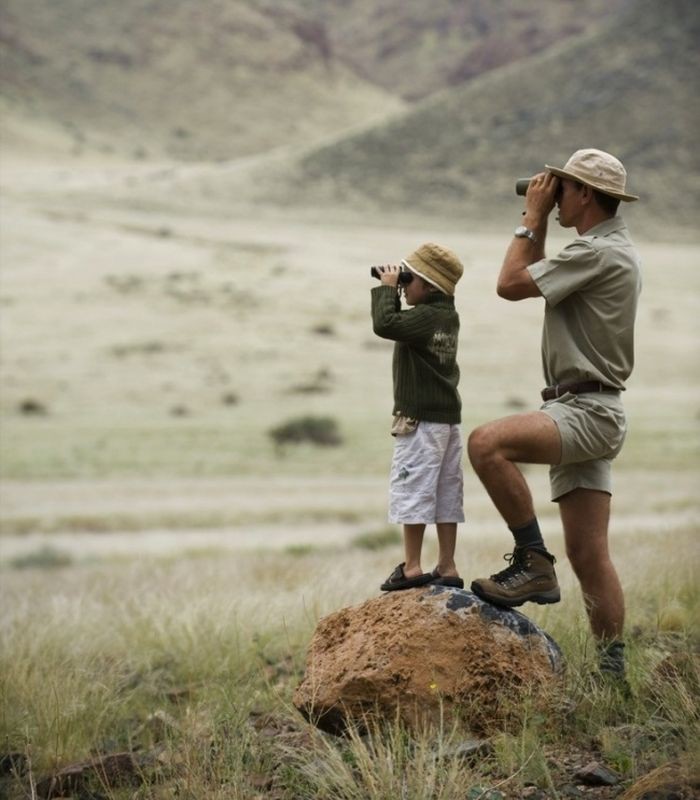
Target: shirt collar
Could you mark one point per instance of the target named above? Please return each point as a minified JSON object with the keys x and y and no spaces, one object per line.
{"x":607,"y":226}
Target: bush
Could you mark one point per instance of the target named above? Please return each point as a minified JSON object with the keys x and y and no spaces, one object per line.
{"x":45,"y":558}
{"x":321,"y":431}
{"x":377,"y":540}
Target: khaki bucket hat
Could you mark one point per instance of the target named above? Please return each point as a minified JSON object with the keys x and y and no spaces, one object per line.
{"x":598,"y":169}
{"x":437,"y":265}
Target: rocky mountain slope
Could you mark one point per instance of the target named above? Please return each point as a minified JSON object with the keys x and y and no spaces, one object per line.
{"x":213,"y":79}
{"x":629,"y":86}
{"x":358,"y":105}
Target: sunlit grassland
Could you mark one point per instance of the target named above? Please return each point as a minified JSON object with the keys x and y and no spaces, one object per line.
{"x":185,"y":654}
{"x":138,"y":396}
{"x":189,"y":338}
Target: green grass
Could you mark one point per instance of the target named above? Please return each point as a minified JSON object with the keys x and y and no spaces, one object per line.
{"x":191,"y":664}
{"x":41,"y":448}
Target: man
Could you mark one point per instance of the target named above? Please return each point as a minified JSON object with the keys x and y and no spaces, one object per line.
{"x":591,"y":290}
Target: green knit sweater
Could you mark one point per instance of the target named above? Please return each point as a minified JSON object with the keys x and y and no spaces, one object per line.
{"x":425,"y":354}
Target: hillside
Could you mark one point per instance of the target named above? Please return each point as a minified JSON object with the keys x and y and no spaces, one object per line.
{"x":628,"y":86}
{"x":310,"y":103}
{"x":413,"y":48}
{"x":184,"y":79}
{"x":224,"y":79}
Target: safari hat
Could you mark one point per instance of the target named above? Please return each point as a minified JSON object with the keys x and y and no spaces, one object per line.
{"x":598,"y":169}
{"x":437,"y":265}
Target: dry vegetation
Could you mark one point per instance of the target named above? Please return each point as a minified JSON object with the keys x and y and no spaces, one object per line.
{"x":163,"y":570}
{"x":164,"y":560}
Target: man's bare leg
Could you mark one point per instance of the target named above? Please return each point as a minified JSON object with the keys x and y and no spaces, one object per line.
{"x":585,"y":515}
{"x":447,"y":541}
{"x":493,"y":448}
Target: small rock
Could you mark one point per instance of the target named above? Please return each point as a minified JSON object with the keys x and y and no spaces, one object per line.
{"x":12,"y":763}
{"x":471,"y":751}
{"x":112,"y":769}
{"x":532,"y":793}
{"x":480,"y":793}
{"x":571,"y":791}
{"x":595,"y":774}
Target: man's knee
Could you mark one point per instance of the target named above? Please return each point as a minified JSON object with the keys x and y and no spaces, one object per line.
{"x":481,"y":444}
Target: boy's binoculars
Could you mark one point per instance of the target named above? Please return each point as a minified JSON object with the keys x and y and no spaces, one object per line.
{"x":405,"y":276}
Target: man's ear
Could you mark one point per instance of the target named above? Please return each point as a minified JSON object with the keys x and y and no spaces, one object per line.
{"x":586,"y":194}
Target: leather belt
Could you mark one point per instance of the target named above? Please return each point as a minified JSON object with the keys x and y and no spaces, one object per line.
{"x":552,"y":392}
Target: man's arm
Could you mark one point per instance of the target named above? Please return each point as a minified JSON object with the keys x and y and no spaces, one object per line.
{"x":514,"y":280}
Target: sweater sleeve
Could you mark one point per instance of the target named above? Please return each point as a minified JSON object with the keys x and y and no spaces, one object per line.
{"x":390,"y":322}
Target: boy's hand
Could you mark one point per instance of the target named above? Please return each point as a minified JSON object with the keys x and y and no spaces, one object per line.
{"x":389,"y":275}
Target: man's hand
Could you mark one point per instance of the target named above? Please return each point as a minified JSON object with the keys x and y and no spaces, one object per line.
{"x":389,"y":275}
{"x":514,"y":280}
{"x":540,"y":198}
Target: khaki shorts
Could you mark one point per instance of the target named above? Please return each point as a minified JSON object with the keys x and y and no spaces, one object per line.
{"x":592,"y":428}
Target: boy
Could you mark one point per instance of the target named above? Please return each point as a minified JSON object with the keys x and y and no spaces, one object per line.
{"x":426,"y":472}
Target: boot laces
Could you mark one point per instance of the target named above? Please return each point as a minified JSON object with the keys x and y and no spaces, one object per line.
{"x":517,"y":565}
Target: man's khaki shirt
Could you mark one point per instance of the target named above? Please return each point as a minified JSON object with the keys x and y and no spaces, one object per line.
{"x":591,"y":289}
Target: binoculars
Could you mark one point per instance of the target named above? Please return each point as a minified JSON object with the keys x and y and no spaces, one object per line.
{"x":521,"y":186}
{"x":405,"y":276}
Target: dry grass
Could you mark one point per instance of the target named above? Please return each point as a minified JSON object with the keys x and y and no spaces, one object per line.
{"x":189,"y":561}
{"x":183,"y":652}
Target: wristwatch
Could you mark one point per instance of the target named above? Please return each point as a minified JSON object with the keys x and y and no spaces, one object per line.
{"x":521,"y":232}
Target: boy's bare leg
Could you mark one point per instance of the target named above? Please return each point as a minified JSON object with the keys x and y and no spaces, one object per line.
{"x":447,"y":541}
{"x":413,"y":544}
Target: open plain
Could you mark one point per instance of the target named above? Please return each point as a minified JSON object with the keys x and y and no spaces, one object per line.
{"x":153,"y":533}
{"x":189,"y":207}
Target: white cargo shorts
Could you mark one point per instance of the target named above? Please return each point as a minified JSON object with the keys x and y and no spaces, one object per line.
{"x":427,"y":483}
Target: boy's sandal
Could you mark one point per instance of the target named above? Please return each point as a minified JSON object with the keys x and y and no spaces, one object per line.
{"x":398,"y":580}
{"x":449,"y":580}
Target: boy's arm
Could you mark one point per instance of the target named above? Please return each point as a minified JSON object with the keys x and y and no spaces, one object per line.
{"x":389,"y":322}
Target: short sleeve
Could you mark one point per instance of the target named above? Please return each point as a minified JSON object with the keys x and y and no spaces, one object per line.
{"x":574,"y":267}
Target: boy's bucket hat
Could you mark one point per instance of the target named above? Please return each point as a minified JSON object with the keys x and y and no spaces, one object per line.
{"x":598,"y":169}
{"x":437,"y":265}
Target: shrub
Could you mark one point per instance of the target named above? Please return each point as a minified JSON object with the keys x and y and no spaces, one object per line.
{"x":377,"y":540}
{"x":45,"y":558}
{"x":321,"y":431}
{"x":32,"y":408}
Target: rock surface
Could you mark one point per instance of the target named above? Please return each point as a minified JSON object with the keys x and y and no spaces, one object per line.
{"x":424,"y":653}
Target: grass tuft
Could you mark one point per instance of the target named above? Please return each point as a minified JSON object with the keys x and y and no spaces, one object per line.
{"x":377,"y":540}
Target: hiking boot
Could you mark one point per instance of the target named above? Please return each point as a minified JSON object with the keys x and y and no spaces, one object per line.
{"x":611,"y":658}
{"x":529,"y":576}
{"x":611,"y":669}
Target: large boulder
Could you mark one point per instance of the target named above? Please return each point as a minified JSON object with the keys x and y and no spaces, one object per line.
{"x":425,"y":655}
